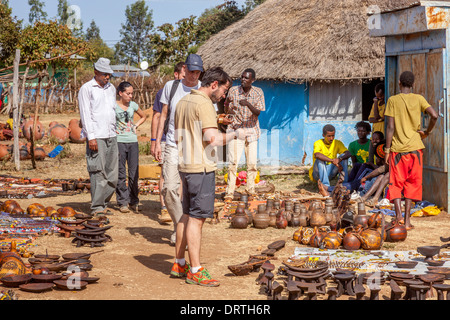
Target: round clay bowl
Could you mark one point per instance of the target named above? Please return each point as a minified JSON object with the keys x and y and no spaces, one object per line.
{"x":46,"y":278}
{"x":428,"y":251}
{"x":67,"y":285}
{"x":16,"y":281}
{"x":36,"y":287}
{"x":406,"y":264}
{"x":436,"y":263}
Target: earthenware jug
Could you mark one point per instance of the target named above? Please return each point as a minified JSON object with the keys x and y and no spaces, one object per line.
{"x":316,"y":238}
{"x":288,"y":212}
{"x":395,"y":232}
{"x":295,"y":222}
{"x":261,"y":219}
{"x":303,"y":217}
{"x":239,"y":220}
{"x":350,"y":241}
{"x":328,"y":214}
{"x":281,"y":222}
{"x":318,"y":218}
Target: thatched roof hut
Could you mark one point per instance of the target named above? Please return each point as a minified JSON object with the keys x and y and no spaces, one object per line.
{"x":298,"y":40}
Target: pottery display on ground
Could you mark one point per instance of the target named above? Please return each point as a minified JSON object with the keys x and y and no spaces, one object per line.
{"x":59,"y":132}
{"x":38,"y":132}
{"x":75,"y":132}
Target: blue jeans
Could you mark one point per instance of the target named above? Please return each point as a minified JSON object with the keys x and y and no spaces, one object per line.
{"x":325,"y":172}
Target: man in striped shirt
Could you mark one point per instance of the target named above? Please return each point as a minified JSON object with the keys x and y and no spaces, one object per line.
{"x":245,"y":103}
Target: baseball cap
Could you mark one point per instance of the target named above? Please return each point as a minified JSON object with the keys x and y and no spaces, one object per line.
{"x":102,"y":65}
{"x":194,"y":62}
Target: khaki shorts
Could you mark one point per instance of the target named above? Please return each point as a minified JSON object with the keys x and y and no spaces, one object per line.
{"x":163,"y":147}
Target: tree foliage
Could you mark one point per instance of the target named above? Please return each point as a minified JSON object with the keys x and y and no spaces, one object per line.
{"x":37,"y":12}
{"x":134,"y":45}
{"x":10,"y":29}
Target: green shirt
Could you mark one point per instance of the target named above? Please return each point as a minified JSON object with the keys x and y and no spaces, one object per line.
{"x":125,"y":129}
{"x":360,"y":151}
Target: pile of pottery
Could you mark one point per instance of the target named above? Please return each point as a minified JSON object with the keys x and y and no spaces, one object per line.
{"x":47,"y":272}
{"x":36,"y":210}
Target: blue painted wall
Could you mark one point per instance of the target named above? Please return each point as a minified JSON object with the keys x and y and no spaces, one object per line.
{"x":287,"y":132}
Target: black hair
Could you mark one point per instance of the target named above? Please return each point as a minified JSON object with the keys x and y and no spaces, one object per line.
{"x":381,"y":134}
{"x":123,"y":86}
{"x":379,"y":87}
{"x":328,"y":128}
{"x":251,"y":71}
{"x":215,"y":74}
{"x":407,"y":79}
{"x":177,"y":68}
{"x":364,"y":125}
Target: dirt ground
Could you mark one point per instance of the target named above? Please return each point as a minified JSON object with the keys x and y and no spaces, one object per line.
{"x":136,"y":264}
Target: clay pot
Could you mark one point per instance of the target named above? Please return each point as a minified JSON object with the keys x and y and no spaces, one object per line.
{"x":316,"y":238}
{"x":261,"y":219}
{"x":374,"y":221}
{"x":59,"y":132}
{"x":11,"y":206}
{"x":4,"y":152}
{"x":370,"y":239}
{"x":66,"y":212}
{"x":350,"y":241}
{"x":239,"y":221}
{"x":39,"y":153}
{"x":396,"y":232}
{"x":318,"y":218}
{"x":304,"y":218}
{"x":38,"y":133}
{"x":295,"y":221}
{"x":281,"y":222}
{"x":332,"y":240}
{"x":361,"y":220}
{"x":306,"y":235}
{"x":328,"y":214}
{"x":75,"y":131}
{"x":297,"y":234}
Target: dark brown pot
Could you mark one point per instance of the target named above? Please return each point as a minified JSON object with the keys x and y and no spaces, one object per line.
{"x":396,"y":232}
{"x":240,"y":220}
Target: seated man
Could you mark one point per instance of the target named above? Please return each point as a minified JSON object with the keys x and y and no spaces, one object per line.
{"x":326,"y":162}
{"x":376,"y":138}
{"x":359,"y":149}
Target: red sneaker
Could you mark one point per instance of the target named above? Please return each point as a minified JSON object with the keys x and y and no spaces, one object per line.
{"x":179,"y":271}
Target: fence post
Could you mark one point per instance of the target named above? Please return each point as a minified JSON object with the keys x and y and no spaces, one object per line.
{"x":16,"y":119}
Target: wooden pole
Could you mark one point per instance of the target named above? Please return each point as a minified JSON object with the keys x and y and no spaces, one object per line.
{"x":16,"y":119}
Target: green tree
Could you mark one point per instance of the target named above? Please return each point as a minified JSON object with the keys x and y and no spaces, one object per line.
{"x":93,"y":32}
{"x":63,"y":11}
{"x":134,"y":44}
{"x":252,"y":4}
{"x":10,"y":33}
{"x":172,"y":44}
{"x":213,"y":20}
{"x":37,"y":12}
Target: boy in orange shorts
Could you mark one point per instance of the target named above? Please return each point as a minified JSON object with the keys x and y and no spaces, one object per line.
{"x":404,"y":145}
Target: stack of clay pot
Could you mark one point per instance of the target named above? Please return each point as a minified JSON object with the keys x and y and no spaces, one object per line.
{"x":75,"y":131}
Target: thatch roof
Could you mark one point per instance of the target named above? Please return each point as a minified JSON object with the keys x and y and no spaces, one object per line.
{"x":299,"y":40}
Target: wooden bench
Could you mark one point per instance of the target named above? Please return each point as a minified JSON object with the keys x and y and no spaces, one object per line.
{"x":277,"y":288}
{"x":396,"y":291}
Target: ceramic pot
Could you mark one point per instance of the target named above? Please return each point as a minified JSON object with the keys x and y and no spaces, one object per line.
{"x":295,"y":222}
{"x":239,"y":221}
{"x":59,"y":132}
{"x":317,"y":218}
{"x":332,"y":240}
{"x":75,"y":131}
{"x":306,"y":235}
{"x":281,"y":222}
{"x":328,"y":214}
{"x":374,"y":221}
{"x":370,"y":239}
{"x":261,"y":220}
{"x":4,"y":153}
{"x":39,"y":153}
{"x":396,"y":232}
{"x":66,"y":212}
{"x":297,"y":234}
{"x":316,"y":238}
{"x":38,"y":133}
{"x":350,"y":241}
{"x":304,"y":218}
{"x":361,"y":219}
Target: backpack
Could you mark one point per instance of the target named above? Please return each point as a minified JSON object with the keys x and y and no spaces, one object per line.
{"x":172,"y":93}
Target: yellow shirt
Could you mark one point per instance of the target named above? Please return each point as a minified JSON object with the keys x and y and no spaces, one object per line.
{"x":195,"y":112}
{"x":406,"y":109}
{"x":329,"y":150}
{"x":378,"y":126}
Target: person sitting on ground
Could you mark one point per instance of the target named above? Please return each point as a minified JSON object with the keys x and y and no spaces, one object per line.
{"x":359,"y":149}
{"x":376,"y":138}
{"x":379,"y":176}
{"x":326,"y":162}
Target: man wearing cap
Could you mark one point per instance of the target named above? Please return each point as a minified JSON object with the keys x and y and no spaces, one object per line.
{"x":170,"y":190}
{"x":97,"y":102}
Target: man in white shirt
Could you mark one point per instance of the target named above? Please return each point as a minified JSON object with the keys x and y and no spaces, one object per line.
{"x":170,"y":190}
{"x":97,"y":101}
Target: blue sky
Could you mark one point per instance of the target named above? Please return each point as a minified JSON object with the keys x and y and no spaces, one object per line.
{"x":110,"y":14}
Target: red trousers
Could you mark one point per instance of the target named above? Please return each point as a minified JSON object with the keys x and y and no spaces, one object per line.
{"x":406,"y":175}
